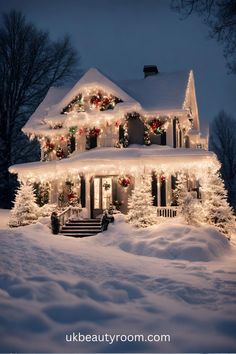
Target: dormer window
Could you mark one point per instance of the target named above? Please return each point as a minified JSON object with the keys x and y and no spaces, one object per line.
{"x":93,"y":100}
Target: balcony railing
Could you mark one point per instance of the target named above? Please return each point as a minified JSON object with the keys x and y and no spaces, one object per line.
{"x":167,"y":212}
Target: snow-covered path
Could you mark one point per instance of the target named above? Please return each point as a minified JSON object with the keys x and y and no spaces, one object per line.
{"x":51,"y":286}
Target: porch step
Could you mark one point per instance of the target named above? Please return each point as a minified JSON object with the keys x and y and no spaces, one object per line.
{"x":79,"y":235}
{"x":82,"y":231}
{"x":83,"y":223}
{"x":86,"y":220}
{"x":81,"y":228}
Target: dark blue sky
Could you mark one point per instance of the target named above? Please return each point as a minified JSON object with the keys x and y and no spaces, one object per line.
{"x":120,"y":36}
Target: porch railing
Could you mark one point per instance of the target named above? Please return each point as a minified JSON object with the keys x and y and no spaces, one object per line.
{"x":69,"y":213}
{"x":167,"y":212}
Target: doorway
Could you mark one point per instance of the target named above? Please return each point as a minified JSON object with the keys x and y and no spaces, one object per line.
{"x":101,"y":195}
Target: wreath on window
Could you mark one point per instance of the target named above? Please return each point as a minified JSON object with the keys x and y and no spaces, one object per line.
{"x":106,"y":186}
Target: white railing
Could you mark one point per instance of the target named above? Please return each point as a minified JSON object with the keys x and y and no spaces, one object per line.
{"x":70,"y":212}
{"x":167,"y":212}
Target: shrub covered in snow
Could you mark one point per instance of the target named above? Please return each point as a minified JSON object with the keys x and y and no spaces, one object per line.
{"x":189,"y":207}
{"x":25,"y":210}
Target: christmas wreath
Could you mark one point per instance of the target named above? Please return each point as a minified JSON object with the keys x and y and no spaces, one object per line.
{"x":95,"y":100}
{"x":94,"y":132}
{"x":124,"y":181}
{"x":49,"y":146}
{"x":106,"y":186}
{"x":157,"y":126}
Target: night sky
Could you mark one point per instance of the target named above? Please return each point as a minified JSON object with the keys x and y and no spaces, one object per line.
{"x":120,"y":36}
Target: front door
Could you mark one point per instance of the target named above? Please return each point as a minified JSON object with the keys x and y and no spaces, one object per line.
{"x":101,"y":195}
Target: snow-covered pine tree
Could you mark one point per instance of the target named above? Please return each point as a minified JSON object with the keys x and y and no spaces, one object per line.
{"x":216,"y":208}
{"x":25,"y":210}
{"x":189,"y":207}
{"x":192,"y":210}
{"x":141,"y":212}
{"x":181,"y":190}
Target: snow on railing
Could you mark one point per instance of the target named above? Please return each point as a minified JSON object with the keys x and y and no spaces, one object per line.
{"x":70,"y":212}
{"x":167,"y":212}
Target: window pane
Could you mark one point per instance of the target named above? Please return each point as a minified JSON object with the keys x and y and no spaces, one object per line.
{"x":96,"y":193}
{"x":106,"y":192}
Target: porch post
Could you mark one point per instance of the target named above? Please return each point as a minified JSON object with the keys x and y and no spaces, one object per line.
{"x":158,"y":190}
{"x":168,"y":189}
{"x":53,"y":192}
{"x":169,"y":134}
{"x":87,"y":196}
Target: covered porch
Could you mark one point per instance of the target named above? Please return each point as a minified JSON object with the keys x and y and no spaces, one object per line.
{"x":102,"y":177}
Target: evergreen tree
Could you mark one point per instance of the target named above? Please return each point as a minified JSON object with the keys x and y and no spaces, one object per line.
{"x":222,"y":141}
{"x":192,"y":210}
{"x":181,"y":190}
{"x":25,"y":210}
{"x":216,"y":208}
{"x":189,"y":207}
{"x":141,"y":212}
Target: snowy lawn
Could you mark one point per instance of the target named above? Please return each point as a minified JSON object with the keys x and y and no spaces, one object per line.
{"x":167,"y":279}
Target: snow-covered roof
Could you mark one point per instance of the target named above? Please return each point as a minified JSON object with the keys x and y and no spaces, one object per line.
{"x":164,"y":93}
{"x":54,"y":95}
{"x":116,"y":161}
{"x":92,"y":78}
{"x":161,"y":92}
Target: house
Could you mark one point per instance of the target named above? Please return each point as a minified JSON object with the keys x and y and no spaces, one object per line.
{"x":99,"y":137}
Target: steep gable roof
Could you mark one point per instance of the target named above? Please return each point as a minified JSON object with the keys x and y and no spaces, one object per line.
{"x":93,"y":77}
{"x":57,"y":98}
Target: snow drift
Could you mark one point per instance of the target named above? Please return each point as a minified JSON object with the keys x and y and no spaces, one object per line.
{"x":170,"y":240}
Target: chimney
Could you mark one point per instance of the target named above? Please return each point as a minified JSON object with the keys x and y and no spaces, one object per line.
{"x":150,"y":70}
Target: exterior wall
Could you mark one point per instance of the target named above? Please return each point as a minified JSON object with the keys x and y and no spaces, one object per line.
{"x":109,"y":137}
{"x":174,"y":136}
{"x":169,"y":134}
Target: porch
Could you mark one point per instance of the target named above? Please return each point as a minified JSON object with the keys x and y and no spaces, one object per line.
{"x":76,"y":213}
{"x":94,"y":194}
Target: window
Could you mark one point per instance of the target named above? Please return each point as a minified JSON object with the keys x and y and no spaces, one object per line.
{"x":96,"y":193}
{"x":106,"y":192}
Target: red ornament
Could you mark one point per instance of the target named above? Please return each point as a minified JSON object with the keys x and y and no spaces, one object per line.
{"x":156,"y":125}
{"x":94,"y":132}
{"x":96,"y":100}
{"x":49,"y":146}
{"x":71,"y":195}
{"x":163,"y":179}
{"x":105,"y":101}
{"x":124,"y":181}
